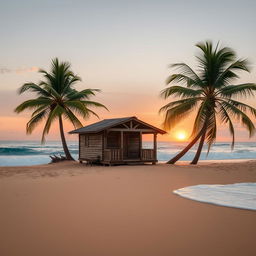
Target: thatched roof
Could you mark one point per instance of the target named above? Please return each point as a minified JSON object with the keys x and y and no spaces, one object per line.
{"x":110,"y":123}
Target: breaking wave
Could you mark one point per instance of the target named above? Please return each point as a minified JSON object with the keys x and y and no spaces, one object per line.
{"x":19,"y":151}
{"x":238,"y":195}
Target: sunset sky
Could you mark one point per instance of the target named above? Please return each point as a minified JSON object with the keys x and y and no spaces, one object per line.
{"x":120,"y":47}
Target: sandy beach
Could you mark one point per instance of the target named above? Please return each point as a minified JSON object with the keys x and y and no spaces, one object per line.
{"x":72,"y":209}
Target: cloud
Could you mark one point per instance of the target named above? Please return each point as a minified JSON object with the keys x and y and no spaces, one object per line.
{"x":5,"y":70}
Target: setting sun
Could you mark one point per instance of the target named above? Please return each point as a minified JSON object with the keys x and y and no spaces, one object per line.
{"x":181,"y":135}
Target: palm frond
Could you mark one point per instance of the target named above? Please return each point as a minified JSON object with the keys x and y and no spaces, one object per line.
{"x":81,"y":95}
{"x":213,"y":62}
{"x":69,"y":83}
{"x":186,"y":70}
{"x":242,"y":106}
{"x":226,"y":119}
{"x":32,"y":104}
{"x":245,"y":90}
{"x":229,"y":73}
{"x":211,"y":130}
{"x":34,"y":88}
{"x":35,"y":120}
{"x":39,"y":109}
{"x":50,"y":89}
{"x":72,"y":118}
{"x":175,"y":114}
{"x":53,"y":115}
{"x":180,"y":91}
{"x":176,"y":103}
{"x":234,"y":111}
{"x":180,"y":78}
{"x":78,"y":107}
{"x":90,"y":103}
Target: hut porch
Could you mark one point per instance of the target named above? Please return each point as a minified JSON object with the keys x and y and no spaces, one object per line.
{"x":126,"y":147}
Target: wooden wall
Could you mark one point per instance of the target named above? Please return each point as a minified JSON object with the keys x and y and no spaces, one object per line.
{"x":90,"y":146}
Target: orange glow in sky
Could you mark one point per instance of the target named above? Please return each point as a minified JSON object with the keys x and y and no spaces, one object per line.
{"x":181,"y":136}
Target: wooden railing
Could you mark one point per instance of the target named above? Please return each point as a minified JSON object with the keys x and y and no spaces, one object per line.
{"x":113,"y":154}
{"x":147,"y":154}
{"x":117,"y":155}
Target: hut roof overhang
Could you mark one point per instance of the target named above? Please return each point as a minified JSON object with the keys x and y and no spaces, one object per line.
{"x":111,"y":123}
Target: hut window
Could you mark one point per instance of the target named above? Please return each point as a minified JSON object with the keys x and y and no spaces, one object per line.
{"x":91,"y":140}
{"x":113,"y":140}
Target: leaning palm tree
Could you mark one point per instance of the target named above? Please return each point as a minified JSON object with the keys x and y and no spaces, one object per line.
{"x":212,"y":93}
{"x":56,"y":98}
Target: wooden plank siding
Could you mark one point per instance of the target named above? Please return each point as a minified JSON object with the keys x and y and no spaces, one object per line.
{"x":90,"y":146}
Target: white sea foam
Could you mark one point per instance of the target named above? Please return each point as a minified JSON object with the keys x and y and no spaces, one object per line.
{"x":238,"y":195}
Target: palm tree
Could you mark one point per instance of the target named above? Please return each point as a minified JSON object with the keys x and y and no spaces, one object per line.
{"x":212,"y":93}
{"x":56,"y":98}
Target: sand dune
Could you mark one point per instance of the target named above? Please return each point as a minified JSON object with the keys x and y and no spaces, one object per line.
{"x":71,"y":209}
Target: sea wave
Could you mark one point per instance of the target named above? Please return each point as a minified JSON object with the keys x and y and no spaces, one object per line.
{"x":223,"y":145}
{"x":23,"y":151}
{"x":19,"y":151}
{"x":238,"y":195}
{"x":241,"y":151}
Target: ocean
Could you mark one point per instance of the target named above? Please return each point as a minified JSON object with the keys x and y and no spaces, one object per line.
{"x":21,"y":153}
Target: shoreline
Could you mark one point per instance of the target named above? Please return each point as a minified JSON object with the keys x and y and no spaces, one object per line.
{"x":186,"y":163}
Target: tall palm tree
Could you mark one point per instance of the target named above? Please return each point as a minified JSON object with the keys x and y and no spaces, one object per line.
{"x":57,"y":98}
{"x":212,"y":93}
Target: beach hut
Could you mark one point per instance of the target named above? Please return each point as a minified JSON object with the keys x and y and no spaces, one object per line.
{"x":117,"y":141}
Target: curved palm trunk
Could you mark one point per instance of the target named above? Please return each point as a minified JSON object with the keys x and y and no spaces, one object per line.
{"x":63,"y":140}
{"x":200,"y":146}
{"x":186,"y":149}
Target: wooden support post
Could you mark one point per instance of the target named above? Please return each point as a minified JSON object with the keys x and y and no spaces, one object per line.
{"x":122,"y":144}
{"x":140,"y":145}
{"x":155,"y":146}
{"x":105,"y":139}
{"x":79,"y":147}
{"x":104,"y":146}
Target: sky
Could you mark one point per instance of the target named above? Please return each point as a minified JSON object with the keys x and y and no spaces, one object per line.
{"x":123,"y":48}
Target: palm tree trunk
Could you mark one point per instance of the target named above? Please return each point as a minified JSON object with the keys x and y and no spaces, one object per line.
{"x":200,"y":146}
{"x":63,"y":140}
{"x":186,"y":149}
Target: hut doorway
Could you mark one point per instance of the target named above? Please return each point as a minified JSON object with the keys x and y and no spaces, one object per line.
{"x":131,"y":145}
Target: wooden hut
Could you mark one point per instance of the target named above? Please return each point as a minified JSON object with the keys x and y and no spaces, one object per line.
{"x":117,"y":141}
